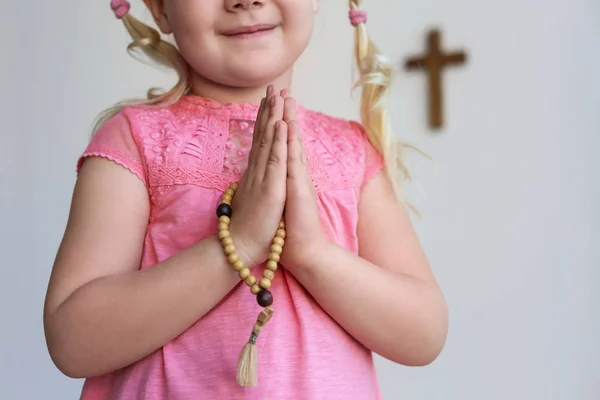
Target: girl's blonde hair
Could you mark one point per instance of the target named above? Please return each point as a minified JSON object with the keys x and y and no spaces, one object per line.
{"x":375,"y":79}
{"x":148,"y":41}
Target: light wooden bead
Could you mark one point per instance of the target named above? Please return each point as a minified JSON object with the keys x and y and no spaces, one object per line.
{"x":224,"y":219}
{"x":255,"y":289}
{"x":268,"y":274}
{"x":238,"y":265}
{"x":223,"y":234}
{"x":233,"y":257}
{"x":272,"y":265}
{"x":251,"y":280}
{"x":281,"y":225}
{"x":265,"y":283}
{"x":225,"y":199}
{"x":234,"y":186}
{"x":228,"y":192}
{"x":229,"y":249}
{"x":227,"y":241}
{"x":223,"y":226}
{"x":274,"y":257}
{"x":281,"y":233}
{"x":278,"y":240}
{"x":277,"y":249}
{"x":244,"y":273}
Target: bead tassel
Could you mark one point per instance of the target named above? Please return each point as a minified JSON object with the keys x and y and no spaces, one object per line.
{"x":247,"y":371}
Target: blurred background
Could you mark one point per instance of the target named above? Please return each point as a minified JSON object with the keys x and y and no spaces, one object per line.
{"x":509,"y":204}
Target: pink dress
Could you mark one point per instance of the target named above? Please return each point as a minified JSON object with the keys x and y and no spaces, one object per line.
{"x":186,"y":155}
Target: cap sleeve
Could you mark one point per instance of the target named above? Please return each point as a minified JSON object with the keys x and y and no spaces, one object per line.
{"x":114,"y":141}
{"x":373,"y":162}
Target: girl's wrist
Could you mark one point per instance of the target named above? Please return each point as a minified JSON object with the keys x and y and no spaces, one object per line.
{"x":247,"y":251}
{"x":319,"y":253}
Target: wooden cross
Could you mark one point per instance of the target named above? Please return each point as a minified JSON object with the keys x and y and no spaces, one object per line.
{"x":434,"y":61}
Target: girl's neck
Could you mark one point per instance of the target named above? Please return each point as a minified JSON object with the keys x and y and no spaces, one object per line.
{"x":203,"y":87}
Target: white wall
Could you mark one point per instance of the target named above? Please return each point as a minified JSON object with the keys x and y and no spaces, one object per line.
{"x":507,"y":206}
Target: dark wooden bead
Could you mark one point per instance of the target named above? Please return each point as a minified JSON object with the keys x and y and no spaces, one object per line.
{"x":224,"y":209}
{"x":264,"y":298}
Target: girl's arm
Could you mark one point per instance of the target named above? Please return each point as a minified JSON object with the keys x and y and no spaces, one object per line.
{"x":101,"y":313}
{"x":387,"y":298}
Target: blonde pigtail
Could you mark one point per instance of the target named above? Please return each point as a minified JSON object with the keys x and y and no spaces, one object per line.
{"x":375,"y":79}
{"x":147,"y":40}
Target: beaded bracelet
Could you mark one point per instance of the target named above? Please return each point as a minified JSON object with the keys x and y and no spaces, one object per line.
{"x":247,"y":371}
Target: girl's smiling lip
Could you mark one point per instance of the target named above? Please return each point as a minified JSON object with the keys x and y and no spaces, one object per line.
{"x":249,"y":31}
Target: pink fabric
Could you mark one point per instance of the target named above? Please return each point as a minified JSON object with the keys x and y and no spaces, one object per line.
{"x":357,"y":16}
{"x":187,"y":155}
{"x":120,"y":7}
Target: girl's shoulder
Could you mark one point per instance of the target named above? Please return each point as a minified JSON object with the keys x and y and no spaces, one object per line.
{"x":342,"y":148}
{"x":329,"y":125}
{"x":115,"y":140}
{"x":132,"y":137}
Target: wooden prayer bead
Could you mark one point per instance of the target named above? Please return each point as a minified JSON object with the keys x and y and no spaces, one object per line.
{"x":264,"y":283}
{"x":244,"y":273}
{"x":272,"y":265}
{"x":264,"y":298}
{"x":268,"y":274}
{"x":238,"y":265}
{"x":224,"y":209}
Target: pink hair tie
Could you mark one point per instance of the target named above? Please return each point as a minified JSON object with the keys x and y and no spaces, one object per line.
{"x":357,"y":16}
{"x":120,"y":7}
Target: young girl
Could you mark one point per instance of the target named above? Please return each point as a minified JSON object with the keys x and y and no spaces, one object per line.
{"x":176,"y":256}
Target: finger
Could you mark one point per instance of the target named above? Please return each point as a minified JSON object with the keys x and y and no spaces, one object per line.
{"x":285,"y":93}
{"x":259,"y":125}
{"x":297,"y":171}
{"x":261,"y":118}
{"x":263,"y":115}
{"x":276,"y":170}
{"x":289,"y":109}
{"x":265,"y":142}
